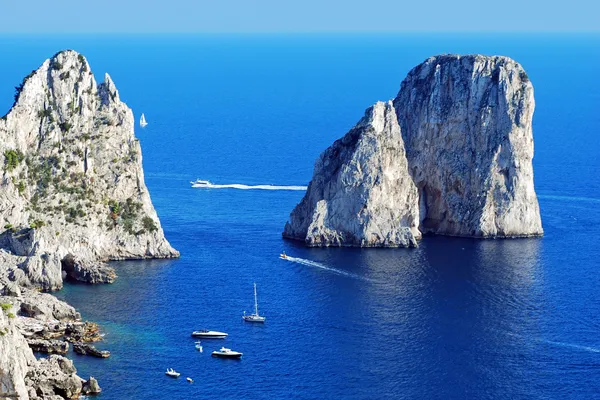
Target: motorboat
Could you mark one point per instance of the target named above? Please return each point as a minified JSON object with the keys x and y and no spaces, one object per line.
{"x":172,"y":373}
{"x":254,"y":317}
{"x":283,"y":256}
{"x":226,"y":353}
{"x":209,"y":334}
{"x":190,"y":380}
{"x":200,"y":183}
{"x":143,"y":121}
{"x":199,"y":346}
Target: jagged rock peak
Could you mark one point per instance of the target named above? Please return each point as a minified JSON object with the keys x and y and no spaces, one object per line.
{"x":461,"y":163}
{"x":361,"y":193}
{"x":72,"y":191}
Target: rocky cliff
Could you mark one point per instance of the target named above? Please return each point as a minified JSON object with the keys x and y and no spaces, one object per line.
{"x":72,"y":196}
{"x":72,"y":193}
{"x":361,"y":193}
{"x":459,"y":163}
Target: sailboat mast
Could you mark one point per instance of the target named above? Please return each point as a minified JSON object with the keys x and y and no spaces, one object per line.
{"x":255,"y":301}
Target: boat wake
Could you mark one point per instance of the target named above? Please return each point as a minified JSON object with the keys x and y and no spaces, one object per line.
{"x":324,"y":267}
{"x":248,"y":187}
{"x":570,"y":345}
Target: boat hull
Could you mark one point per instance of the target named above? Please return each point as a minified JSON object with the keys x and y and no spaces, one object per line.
{"x":209,"y":335}
{"x":227,"y":355}
{"x":254,"y":318}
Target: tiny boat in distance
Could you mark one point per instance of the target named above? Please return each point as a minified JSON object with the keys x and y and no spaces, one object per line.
{"x":190,"y":380}
{"x":283,"y":256}
{"x":254,"y":317}
{"x":199,"y":346}
{"x":143,"y":122}
{"x":226,"y":353}
{"x":209,"y":334}
{"x":172,"y":373}
{"x":200,"y":183}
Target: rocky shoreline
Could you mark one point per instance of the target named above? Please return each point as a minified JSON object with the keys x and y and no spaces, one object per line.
{"x":72,"y":197}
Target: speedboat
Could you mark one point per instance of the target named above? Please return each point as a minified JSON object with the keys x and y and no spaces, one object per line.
{"x":190,"y":380}
{"x":283,"y":256}
{"x":172,"y":373}
{"x":226,"y":353}
{"x":209,"y":334}
{"x":254,"y":317}
{"x":200,"y":183}
{"x":199,"y":346}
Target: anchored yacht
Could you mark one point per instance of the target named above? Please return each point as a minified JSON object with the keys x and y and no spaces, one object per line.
{"x":209,"y":334}
{"x":254,"y":317}
{"x":226,"y":353}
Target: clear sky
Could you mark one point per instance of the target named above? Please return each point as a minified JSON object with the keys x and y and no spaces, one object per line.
{"x":56,"y":16}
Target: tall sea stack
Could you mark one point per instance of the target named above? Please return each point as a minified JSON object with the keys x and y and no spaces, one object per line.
{"x":453,"y":156}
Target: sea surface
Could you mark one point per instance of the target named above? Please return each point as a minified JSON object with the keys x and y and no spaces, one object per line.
{"x":453,"y":319}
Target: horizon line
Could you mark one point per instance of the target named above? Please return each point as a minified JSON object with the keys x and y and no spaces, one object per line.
{"x":323,"y":32}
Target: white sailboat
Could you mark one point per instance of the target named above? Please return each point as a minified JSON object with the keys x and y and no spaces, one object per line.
{"x":254,"y":317}
{"x":143,"y":122}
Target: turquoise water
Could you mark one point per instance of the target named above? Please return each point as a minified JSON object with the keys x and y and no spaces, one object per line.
{"x":453,"y":319}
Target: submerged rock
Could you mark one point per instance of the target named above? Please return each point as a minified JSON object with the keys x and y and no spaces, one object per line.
{"x":453,"y":156}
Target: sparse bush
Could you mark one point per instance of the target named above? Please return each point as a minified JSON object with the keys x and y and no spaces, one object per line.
{"x":148,"y":224}
{"x":12,"y":158}
{"x":5,"y":306}
{"x":65,"y":127}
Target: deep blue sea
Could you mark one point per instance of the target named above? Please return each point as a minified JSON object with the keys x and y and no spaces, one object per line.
{"x":453,"y":319}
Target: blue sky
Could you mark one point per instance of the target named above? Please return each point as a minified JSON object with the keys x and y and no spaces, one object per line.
{"x":59,"y":16}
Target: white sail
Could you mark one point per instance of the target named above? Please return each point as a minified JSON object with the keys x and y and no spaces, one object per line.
{"x":143,"y":121}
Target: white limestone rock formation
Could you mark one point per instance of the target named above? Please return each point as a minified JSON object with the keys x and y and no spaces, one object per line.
{"x":361,"y":193}
{"x":462,"y":166}
{"x":72,"y":189}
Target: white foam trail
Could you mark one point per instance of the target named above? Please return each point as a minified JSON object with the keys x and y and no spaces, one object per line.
{"x":561,"y":344}
{"x":570,"y":345}
{"x":250,"y":187}
{"x":325,"y":267}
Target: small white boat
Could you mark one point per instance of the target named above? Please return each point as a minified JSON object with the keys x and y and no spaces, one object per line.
{"x":172,"y":373}
{"x":199,"y":346}
{"x":190,"y":380}
{"x":283,"y":256}
{"x":254,"y":317}
{"x":200,"y":183}
{"x":209,"y":334}
{"x":143,"y":122}
{"x":226,"y":353}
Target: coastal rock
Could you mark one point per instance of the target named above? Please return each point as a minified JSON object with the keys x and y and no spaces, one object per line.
{"x":83,"y":332}
{"x":452,"y":156}
{"x":88,"y":349}
{"x":48,"y":346}
{"x":361,"y":193}
{"x":54,"y":376}
{"x":467,"y":126}
{"x":15,"y":356}
{"x":45,"y":307}
{"x":72,"y":185}
{"x":91,"y":386}
{"x":87,"y":271}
